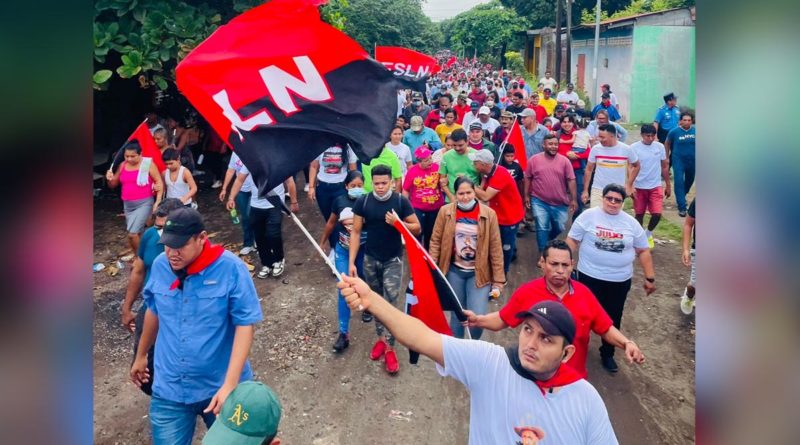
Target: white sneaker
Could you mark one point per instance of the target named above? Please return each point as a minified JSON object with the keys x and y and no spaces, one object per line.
{"x":264,"y":272}
{"x":305,"y":188}
{"x":277,"y":268}
{"x":246,"y":250}
{"x":687,"y":304}
{"x":217,"y":184}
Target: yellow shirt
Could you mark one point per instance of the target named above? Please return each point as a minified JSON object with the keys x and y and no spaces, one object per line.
{"x":548,"y":104}
{"x":443,"y":130}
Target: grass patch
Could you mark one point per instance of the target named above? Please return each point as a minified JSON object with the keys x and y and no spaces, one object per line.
{"x":665,"y":229}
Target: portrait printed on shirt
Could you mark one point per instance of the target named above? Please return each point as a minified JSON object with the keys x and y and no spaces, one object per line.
{"x":333,"y":160}
{"x":608,"y":240}
{"x":466,"y":245}
{"x":529,"y":435}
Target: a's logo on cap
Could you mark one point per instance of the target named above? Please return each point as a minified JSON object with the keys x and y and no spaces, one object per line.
{"x":543,"y":310}
{"x":169,"y":223}
{"x":239,"y":415}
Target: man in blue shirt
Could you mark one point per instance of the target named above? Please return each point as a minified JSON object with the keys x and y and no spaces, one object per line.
{"x":667,"y":116}
{"x":605,"y":104}
{"x":149,"y":248}
{"x":680,"y":147}
{"x":201,"y":308}
{"x":533,"y":132}
{"x":419,"y":134}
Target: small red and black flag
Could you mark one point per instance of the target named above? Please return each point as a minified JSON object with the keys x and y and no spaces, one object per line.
{"x":432,"y":291}
{"x":410,"y":67}
{"x":280,"y":86}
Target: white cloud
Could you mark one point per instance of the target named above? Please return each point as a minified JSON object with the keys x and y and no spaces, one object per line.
{"x":439,"y":10}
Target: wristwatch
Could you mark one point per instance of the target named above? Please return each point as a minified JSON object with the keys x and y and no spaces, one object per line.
{"x":650,"y":280}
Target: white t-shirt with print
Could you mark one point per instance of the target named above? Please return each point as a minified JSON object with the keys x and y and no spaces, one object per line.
{"x":611,"y":164}
{"x":332,"y":165}
{"x":236,"y":165}
{"x":255,"y":200}
{"x":608,"y":244}
{"x":650,"y":157}
{"x":403,"y":154}
{"x":500,"y":399}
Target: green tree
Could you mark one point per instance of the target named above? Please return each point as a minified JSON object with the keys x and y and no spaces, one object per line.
{"x":541,"y":13}
{"x":486,"y":29}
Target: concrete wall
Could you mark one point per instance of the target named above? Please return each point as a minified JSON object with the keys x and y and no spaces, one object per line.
{"x":616,"y":46}
{"x":663,"y":61}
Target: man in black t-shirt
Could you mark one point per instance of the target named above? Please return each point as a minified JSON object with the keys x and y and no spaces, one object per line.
{"x":376,"y":213}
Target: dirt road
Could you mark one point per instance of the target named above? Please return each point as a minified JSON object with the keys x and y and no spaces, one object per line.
{"x":348,"y":399}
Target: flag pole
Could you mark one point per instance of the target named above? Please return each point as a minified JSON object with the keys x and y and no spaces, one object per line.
{"x":416,"y":241}
{"x":113,"y":158}
{"x":505,"y":141}
{"x":313,"y":241}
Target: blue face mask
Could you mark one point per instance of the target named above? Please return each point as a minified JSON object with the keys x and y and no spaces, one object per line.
{"x":355,"y":192}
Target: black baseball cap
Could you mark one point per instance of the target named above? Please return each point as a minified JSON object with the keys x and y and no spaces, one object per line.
{"x":182,"y":224}
{"x":560,"y":107}
{"x":670,"y":96}
{"x":554,"y":317}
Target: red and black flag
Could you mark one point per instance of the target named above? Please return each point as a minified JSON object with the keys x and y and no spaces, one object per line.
{"x":432,"y":291}
{"x":450,"y":62}
{"x":280,"y":86}
{"x":410,"y":67}
{"x":145,"y":139}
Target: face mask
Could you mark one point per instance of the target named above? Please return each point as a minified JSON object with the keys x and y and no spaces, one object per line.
{"x":416,"y":102}
{"x":384,"y":197}
{"x":355,"y":192}
{"x":468,"y":206}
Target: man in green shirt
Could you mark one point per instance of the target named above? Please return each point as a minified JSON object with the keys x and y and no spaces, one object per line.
{"x":456,"y":163}
{"x":387,"y":158}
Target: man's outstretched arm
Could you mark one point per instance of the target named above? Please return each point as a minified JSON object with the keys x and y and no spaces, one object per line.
{"x":409,"y":331}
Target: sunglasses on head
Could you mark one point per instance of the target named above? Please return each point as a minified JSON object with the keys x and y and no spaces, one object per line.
{"x":613,"y":200}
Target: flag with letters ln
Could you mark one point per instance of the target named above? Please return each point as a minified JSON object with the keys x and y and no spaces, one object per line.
{"x":410,"y":67}
{"x":280,"y":86}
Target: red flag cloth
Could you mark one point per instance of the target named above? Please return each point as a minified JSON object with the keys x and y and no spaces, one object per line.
{"x":450,"y":62}
{"x":515,"y":139}
{"x":430,"y":286}
{"x":410,"y":67}
{"x":280,"y":86}
{"x":209,"y":254}
{"x":149,"y":148}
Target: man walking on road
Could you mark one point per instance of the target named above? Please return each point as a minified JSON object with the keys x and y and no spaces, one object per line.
{"x":681,"y":149}
{"x":202,"y":306}
{"x":556,"y":285}
{"x":519,"y":386}
{"x":533,"y":132}
{"x":654,"y":168}
{"x":667,"y":116}
{"x":613,"y":160}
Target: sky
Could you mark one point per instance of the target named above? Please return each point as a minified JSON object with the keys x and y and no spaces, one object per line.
{"x":439,"y":10}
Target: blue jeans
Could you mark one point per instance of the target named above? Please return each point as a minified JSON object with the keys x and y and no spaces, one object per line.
{"x":683,"y":172}
{"x":473,"y":298}
{"x":508,"y":238}
{"x":243,"y":204}
{"x":550,"y":221}
{"x":342,"y":261}
{"x":579,"y":172}
{"x":326,"y":193}
{"x":172,"y":423}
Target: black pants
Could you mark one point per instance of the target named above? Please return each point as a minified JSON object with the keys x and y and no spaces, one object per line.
{"x":266,"y":224}
{"x":612,"y":296}
{"x":213,"y":165}
{"x":427,"y":219}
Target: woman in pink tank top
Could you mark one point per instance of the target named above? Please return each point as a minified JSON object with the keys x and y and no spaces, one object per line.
{"x":138,"y":190}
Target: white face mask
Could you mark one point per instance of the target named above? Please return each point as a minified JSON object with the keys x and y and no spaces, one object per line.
{"x":467,"y":206}
{"x":384,"y":197}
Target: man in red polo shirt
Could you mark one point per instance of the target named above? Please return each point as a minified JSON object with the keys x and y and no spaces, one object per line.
{"x":557,"y":264}
{"x":500,"y":190}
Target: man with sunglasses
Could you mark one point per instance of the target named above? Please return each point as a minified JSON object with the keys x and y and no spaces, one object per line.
{"x":149,"y":248}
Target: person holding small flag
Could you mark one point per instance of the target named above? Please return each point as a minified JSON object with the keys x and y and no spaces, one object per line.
{"x":467,"y":247}
{"x":527,"y":383}
{"x":376,"y":212}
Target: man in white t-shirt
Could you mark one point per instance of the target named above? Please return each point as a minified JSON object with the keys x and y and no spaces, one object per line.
{"x":511,"y":389}
{"x":654,"y":168}
{"x":611,"y":161}
{"x":568,"y":96}
{"x":548,"y":82}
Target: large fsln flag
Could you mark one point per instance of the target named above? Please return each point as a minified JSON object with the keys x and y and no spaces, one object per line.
{"x":410,"y":67}
{"x":280,"y":86}
{"x":432,"y":290}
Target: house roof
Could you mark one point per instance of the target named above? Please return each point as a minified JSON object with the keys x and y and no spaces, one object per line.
{"x":632,"y":18}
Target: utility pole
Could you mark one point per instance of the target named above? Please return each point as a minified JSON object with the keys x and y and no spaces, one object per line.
{"x":569,"y":41}
{"x":558,"y":41}
{"x":596,"y":51}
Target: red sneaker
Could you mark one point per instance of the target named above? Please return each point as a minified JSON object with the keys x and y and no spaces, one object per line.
{"x":392,"y":366}
{"x":378,"y":350}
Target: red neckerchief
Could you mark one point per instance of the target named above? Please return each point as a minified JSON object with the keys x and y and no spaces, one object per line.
{"x":564,"y":376}
{"x":209,"y":254}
